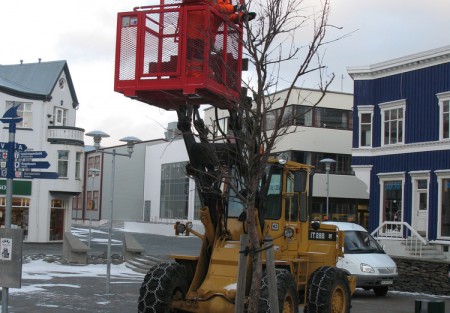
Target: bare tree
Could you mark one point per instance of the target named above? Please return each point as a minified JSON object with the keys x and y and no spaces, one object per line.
{"x":271,"y":44}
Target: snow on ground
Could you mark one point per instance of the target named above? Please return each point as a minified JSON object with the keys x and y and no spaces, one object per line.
{"x":43,"y":271}
{"x":83,"y":234}
{"x":164,"y":229}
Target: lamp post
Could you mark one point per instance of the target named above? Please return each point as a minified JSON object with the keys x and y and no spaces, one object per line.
{"x":130,"y":141}
{"x":93,"y":172}
{"x":328,"y":163}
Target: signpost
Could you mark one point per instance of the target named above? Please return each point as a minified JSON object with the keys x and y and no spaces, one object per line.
{"x":33,"y":164}
{"x":15,"y":162}
{"x":33,"y":154}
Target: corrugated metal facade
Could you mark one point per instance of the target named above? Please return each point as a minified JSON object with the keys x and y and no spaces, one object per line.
{"x":418,"y":88}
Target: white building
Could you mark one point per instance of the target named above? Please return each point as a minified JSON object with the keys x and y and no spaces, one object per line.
{"x":320,"y":132}
{"x":48,"y":104}
{"x":152,"y":186}
{"x":130,"y":173}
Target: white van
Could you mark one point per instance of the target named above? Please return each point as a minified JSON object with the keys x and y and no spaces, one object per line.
{"x":364,"y":258}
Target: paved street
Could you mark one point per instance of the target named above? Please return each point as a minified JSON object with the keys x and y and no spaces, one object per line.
{"x":74,"y":291}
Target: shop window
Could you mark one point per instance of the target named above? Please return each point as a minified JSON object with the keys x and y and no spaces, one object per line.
{"x":19,"y":213}
{"x":392,"y":202}
{"x":57,"y":213}
{"x":445,"y":208}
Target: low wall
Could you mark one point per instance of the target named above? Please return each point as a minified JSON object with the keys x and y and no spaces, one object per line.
{"x":423,"y":276}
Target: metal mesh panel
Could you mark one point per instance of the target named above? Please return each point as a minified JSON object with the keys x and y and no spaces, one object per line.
{"x":224,"y":57}
{"x":127,"y":63}
{"x":161,"y":43}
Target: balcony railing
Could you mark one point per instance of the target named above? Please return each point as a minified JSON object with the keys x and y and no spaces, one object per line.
{"x":65,"y":135}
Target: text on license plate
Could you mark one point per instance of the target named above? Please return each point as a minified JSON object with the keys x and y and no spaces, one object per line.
{"x":387,"y":282}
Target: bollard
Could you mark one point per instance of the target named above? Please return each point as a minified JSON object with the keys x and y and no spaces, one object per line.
{"x":430,"y":306}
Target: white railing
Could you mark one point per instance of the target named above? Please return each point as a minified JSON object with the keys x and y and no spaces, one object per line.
{"x":65,"y":134}
{"x":401,"y":231}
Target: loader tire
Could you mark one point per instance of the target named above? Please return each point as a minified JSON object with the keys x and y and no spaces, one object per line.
{"x":163,"y":283}
{"x":287,"y":293}
{"x":328,"y":291}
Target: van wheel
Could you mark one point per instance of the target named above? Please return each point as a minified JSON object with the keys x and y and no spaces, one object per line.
{"x":380,"y":291}
{"x":287,"y":293}
{"x":328,"y":291}
{"x":164,"y":283}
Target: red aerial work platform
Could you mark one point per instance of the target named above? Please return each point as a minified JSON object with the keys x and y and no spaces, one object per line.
{"x":154,"y":60}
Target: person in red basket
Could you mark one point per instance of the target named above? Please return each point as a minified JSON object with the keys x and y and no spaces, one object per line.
{"x":197,"y":33}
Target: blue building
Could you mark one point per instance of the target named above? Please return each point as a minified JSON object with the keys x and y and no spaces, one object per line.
{"x":401,"y":143}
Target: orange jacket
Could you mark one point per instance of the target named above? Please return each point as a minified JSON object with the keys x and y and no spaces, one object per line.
{"x":196,"y":20}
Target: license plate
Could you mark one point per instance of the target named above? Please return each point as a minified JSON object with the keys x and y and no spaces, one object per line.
{"x":387,"y":282}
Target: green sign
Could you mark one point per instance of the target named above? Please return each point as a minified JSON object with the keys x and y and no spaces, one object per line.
{"x":20,"y":187}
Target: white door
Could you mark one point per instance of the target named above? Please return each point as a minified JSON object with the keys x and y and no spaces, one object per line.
{"x":420,"y":212}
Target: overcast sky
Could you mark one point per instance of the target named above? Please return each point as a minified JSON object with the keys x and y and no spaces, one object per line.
{"x":83,"y":33}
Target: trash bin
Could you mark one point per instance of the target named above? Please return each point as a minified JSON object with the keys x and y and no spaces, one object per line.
{"x":430,"y":306}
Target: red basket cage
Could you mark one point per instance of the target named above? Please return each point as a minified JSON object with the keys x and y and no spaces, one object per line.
{"x":160,"y":61}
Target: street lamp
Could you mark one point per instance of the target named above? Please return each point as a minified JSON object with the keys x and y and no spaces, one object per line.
{"x":130,"y":141}
{"x":328,"y":163}
{"x":93,"y":172}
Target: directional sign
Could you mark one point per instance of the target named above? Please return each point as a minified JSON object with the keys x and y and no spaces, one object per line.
{"x":33,"y":154}
{"x":42,"y":175}
{"x":34,"y":164}
{"x":17,"y":146}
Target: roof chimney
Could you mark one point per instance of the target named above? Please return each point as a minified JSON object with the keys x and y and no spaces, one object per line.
{"x":39,"y":60}
{"x":21,"y":61}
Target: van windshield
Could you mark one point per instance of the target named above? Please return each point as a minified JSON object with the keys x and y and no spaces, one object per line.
{"x":360,"y":242}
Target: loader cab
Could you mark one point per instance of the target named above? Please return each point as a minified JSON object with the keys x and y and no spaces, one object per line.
{"x":282,"y":199}
{"x":285,"y":196}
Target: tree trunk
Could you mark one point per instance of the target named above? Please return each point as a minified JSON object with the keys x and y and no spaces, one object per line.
{"x":255,"y":256}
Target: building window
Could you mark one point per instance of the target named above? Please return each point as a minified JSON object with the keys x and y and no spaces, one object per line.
{"x":445,"y":209}
{"x":341,"y":167}
{"x":93,"y":162}
{"x":365,"y":130}
{"x":365,"y":125}
{"x":24,"y":111}
{"x":92,"y":200}
{"x":300,"y":115}
{"x":78,"y":165}
{"x":97,"y":164}
{"x":221,"y":127}
{"x":63,"y":163}
{"x":393,"y":126}
{"x":77,"y":207}
{"x":19,"y":213}
{"x":60,"y":116}
{"x":57,"y":212}
{"x":303,"y":115}
{"x":443,"y":178}
{"x":391,"y":197}
{"x":444,"y":116}
{"x":174,"y":191}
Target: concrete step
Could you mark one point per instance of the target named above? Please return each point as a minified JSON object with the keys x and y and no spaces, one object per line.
{"x":142,"y":264}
